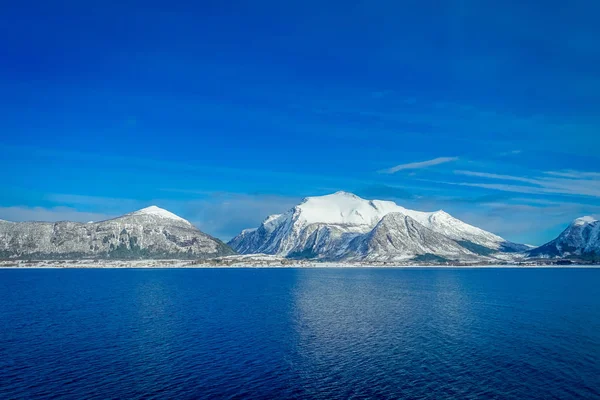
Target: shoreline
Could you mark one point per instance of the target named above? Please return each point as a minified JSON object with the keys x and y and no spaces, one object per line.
{"x":258,"y":264}
{"x":316,"y":267}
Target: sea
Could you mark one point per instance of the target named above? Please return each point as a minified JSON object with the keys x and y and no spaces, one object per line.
{"x":305,"y":333}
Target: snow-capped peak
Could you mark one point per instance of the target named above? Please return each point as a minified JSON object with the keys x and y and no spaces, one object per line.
{"x":584,"y":221}
{"x":341,"y":193}
{"x":581,"y":238}
{"x":330,"y":224}
{"x":158,"y":212}
{"x":344,"y":208}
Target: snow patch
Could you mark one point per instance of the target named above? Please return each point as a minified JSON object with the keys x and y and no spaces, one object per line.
{"x":584,"y":221}
{"x":344,"y":208}
{"x":271,"y":218}
{"x":158,"y":212}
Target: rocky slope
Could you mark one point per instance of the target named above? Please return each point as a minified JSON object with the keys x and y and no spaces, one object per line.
{"x":344,"y":226}
{"x":581,"y":240}
{"x":399,"y":237}
{"x":148,"y":233}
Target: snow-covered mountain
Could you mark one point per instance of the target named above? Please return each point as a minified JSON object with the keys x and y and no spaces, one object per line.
{"x":345,"y":226}
{"x":151,"y":232}
{"x":581,"y":239}
{"x":400,"y":237}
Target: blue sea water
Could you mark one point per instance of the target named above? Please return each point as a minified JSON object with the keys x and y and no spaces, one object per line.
{"x":300,"y":333}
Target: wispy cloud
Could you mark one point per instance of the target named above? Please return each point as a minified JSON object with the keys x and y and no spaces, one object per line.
{"x":381,"y":93}
{"x":418,"y":165}
{"x":95,"y":201}
{"x":511,"y":132}
{"x":510,"y":153}
{"x":525,"y":223}
{"x":52,"y":214}
{"x":570,"y":182}
{"x":574,"y":174}
{"x":220,"y":214}
{"x":224,"y":215}
{"x":495,"y":176}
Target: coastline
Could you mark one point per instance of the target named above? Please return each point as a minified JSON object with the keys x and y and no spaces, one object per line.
{"x":258,"y":264}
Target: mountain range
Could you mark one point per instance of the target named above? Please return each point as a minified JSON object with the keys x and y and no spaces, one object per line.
{"x":337,"y":227}
{"x":343,"y":226}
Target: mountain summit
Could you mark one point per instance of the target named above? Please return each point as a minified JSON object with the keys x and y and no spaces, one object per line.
{"x":343,"y":226}
{"x":580,"y":240}
{"x":159,"y":213}
{"x":151,"y":232}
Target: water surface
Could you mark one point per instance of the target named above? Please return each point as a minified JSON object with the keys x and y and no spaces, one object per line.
{"x":300,"y":333}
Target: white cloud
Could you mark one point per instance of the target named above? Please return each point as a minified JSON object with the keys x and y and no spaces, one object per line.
{"x":224,"y":215}
{"x":95,"y":201}
{"x":510,"y":153}
{"x":574,"y":174}
{"x":419,"y":165}
{"x":496,"y":176}
{"x":524,"y":223}
{"x":53,"y":214}
{"x":220,"y":214}
{"x":577,"y":183}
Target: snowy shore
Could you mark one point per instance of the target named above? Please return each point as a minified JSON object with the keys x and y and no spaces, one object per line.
{"x":253,"y":262}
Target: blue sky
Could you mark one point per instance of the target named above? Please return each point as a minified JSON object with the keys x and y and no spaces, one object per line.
{"x":225,"y":113}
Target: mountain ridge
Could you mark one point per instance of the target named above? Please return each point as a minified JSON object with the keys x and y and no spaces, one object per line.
{"x":337,"y":227}
{"x":151,"y":232}
{"x":323,"y":227}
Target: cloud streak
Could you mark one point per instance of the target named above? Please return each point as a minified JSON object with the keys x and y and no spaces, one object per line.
{"x":574,"y":174}
{"x":578,"y":183}
{"x":496,"y":176}
{"x":52,"y":214}
{"x":220,"y":214}
{"x":510,"y":153}
{"x":418,"y":165}
{"x":224,"y":215}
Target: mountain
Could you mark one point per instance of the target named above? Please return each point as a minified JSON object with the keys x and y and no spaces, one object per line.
{"x":151,"y":232}
{"x":581,"y":240}
{"x":343,"y":225}
{"x":400,"y":237}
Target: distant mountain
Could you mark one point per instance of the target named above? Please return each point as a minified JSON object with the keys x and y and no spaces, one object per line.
{"x":151,"y":232}
{"x":344,"y":226}
{"x":581,"y":240}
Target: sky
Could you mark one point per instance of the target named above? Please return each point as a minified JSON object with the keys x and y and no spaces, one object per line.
{"x":226,"y":112}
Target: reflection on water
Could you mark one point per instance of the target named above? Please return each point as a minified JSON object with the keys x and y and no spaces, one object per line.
{"x":377,"y":328}
{"x":300,"y":333}
{"x":433,"y":333}
{"x":154,"y":341}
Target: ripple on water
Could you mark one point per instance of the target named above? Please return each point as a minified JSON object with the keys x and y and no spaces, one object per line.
{"x":300,"y":333}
